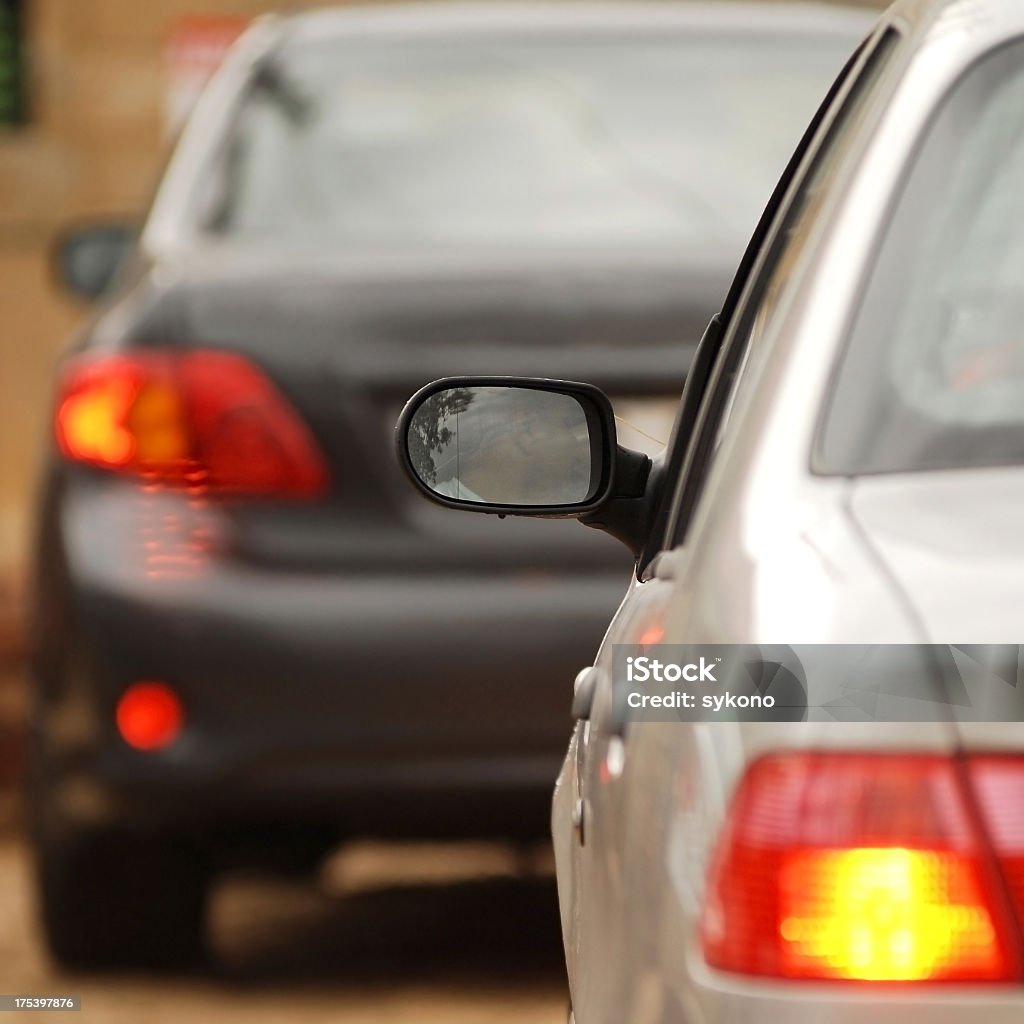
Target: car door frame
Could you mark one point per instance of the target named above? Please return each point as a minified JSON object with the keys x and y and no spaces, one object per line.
{"x":748,"y":290}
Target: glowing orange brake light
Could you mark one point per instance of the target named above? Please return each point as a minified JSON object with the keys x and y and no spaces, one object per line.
{"x":91,"y":424}
{"x":885,"y":914}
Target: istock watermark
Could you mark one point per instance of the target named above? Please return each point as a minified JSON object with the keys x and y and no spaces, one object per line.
{"x":820,"y":682}
{"x":641,"y":669}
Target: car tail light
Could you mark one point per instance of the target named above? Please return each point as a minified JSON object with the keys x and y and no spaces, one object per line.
{"x":998,"y":784}
{"x":858,"y":867}
{"x":149,"y":716}
{"x":206,"y":418}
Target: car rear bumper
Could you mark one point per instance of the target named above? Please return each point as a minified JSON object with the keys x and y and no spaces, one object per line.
{"x":388,"y":703}
{"x":714,"y":998}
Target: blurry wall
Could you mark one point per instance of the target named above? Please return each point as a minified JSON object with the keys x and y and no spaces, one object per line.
{"x":92,"y":144}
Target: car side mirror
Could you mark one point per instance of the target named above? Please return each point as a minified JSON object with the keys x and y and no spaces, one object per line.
{"x":524,"y":447}
{"x":87,"y":258}
{"x":510,"y":446}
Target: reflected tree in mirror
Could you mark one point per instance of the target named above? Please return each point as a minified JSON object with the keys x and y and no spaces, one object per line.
{"x":429,"y":433}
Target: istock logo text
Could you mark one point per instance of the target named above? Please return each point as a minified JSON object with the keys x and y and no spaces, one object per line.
{"x":641,"y":670}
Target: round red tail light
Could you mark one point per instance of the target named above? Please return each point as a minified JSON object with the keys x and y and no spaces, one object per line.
{"x":149,"y":716}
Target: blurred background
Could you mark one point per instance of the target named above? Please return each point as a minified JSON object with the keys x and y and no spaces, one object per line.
{"x":91,"y":92}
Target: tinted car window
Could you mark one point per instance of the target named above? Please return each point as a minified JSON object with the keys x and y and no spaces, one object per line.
{"x":933,"y":375}
{"x":587,"y":140}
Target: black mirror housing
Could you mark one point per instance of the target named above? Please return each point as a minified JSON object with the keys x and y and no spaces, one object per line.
{"x":622,"y":490}
{"x":88,"y":257}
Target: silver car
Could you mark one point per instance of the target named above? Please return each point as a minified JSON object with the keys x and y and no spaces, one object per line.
{"x":845,"y":470}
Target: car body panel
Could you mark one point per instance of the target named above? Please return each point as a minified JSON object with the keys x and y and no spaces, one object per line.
{"x":962,"y":527}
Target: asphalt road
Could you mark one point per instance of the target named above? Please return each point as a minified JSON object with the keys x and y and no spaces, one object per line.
{"x":383,"y":937}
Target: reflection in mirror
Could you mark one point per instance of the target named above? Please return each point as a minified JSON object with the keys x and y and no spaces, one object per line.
{"x":503,"y":446}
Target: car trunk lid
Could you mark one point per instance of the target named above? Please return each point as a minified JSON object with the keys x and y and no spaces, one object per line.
{"x":348,"y":340}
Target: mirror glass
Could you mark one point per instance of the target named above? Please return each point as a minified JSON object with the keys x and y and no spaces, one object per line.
{"x":89,"y":258}
{"x":504,"y":446}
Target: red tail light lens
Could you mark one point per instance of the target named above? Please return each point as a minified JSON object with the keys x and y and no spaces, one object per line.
{"x":998,"y":784}
{"x":149,"y":716}
{"x":202,"y":416}
{"x":857,"y":867}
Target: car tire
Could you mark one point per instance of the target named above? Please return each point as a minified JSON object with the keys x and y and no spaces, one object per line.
{"x":113,"y":901}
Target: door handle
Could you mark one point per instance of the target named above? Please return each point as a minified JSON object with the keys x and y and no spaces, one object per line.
{"x":583,"y":693}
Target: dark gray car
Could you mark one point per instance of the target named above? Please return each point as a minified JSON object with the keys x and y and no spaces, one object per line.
{"x":252,"y":640}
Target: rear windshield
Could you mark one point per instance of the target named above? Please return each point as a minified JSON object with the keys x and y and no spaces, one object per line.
{"x":933,"y":375}
{"x":502,"y":142}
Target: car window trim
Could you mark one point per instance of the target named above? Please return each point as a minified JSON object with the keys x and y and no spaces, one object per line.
{"x":710,"y":345}
{"x":748,"y":287}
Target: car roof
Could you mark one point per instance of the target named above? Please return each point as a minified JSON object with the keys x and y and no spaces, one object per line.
{"x":438,"y":19}
{"x":978,"y":23}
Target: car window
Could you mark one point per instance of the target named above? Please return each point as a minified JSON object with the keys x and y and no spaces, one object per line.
{"x":781,"y":251}
{"x":933,"y":373}
{"x":589,"y":139}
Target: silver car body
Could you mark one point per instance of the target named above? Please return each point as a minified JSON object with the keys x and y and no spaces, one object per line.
{"x":777,"y":554}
